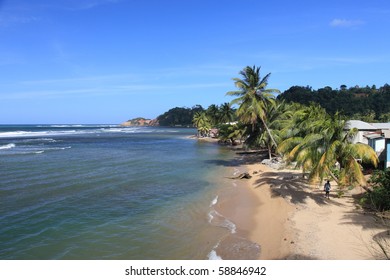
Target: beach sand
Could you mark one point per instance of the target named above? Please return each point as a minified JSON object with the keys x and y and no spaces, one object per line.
{"x":290,"y":219}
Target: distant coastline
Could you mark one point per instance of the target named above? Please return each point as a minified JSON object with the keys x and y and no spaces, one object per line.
{"x":140,"y":122}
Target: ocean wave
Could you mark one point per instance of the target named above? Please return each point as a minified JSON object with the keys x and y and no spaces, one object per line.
{"x":24,"y":134}
{"x":35,"y":140}
{"x":214,"y":201}
{"x":25,"y":150}
{"x":213,"y":255}
{"x":78,"y":125}
{"x":219,"y":220}
{"x":45,"y":132}
{"x":57,"y":148}
{"x":8,"y":146}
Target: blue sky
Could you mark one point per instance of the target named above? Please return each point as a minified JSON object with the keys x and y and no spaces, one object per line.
{"x":106,"y":61}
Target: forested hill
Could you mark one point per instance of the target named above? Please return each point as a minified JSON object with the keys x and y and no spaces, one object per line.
{"x":179,"y":116}
{"x":365,"y":103}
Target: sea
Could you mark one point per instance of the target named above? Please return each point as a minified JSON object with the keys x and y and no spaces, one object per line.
{"x":109,"y":192}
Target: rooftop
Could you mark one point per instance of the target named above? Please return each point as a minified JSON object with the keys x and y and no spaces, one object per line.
{"x":360,"y":125}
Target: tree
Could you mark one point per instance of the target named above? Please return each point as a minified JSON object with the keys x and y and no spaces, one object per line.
{"x":318,"y":143}
{"x":226,"y":113}
{"x":231,"y":132}
{"x":278,"y":116}
{"x":179,"y":116}
{"x":212,"y":113}
{"x":253,"y":97}
{"x":202,"y":123}
{"x":379,"y":197}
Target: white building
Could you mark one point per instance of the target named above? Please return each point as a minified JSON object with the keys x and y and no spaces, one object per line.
{"x":376,"y":135}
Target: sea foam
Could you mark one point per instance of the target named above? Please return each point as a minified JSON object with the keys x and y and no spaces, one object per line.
{"x":213,"y":255}
{"x":214,"y":201}
{"x":8,"y":146}
{"x":219,"y":220}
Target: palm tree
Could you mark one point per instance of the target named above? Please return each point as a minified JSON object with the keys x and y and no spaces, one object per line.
{"x":202,"y":123}
{"x":278,"y":116}
{"x":212,"y":113}
{"x":231,"y":132}
{"x":253,"y":97}
{"x":318,"y":143}
{"x":226,"y":113}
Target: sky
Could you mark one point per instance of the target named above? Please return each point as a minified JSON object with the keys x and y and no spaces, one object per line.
{"x":107,"y":61}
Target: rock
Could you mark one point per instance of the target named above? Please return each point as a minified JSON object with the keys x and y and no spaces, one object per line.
{"x":244,"y":175}
{"x":275,"y":163}
{"x":140,"y":122}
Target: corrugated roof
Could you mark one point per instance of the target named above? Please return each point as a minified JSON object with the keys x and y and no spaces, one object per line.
{"x":359,"y":125}
{"x":381,"y":125}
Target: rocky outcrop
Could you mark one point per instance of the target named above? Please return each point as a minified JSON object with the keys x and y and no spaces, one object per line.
{"x":140,"y":122}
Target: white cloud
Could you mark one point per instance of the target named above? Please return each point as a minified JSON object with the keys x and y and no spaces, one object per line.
{"x":345,"y":23}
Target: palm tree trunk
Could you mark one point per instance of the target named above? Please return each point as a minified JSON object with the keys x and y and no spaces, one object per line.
{"x":269,"y":133}
{"x":269,"y":151}
{"x":334,"y":177}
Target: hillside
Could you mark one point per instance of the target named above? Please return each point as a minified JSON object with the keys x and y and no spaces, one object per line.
{"x":140,"y":122}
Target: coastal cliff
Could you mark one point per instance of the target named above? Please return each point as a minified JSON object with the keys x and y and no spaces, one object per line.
{"x":140,"y":122}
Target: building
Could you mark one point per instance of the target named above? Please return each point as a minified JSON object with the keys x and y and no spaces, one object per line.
{"x":376,"y":135}
{"x":387,"y":148}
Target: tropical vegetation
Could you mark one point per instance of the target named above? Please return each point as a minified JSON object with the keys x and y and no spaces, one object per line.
{"x":320,"y":144}
{"x":253,"y":99}
{"x":370,"y":104}
{"x":202,"y":123}
{"x":179,"y":116}
{"x":303,"y":126}
{"x":379,"y":196}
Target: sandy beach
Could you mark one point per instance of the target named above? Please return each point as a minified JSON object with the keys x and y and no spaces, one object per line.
{"x":290,"y":219}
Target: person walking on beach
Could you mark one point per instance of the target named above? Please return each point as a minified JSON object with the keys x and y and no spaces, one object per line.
{"x":327,"y":188}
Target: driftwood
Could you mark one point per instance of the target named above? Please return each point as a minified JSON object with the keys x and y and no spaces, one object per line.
{"x":244,"y":175}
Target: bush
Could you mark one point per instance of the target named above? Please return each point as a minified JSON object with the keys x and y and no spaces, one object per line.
{"x":379,"y":197}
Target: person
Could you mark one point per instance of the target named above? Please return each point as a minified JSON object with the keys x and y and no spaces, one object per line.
{"x":327,"y":188}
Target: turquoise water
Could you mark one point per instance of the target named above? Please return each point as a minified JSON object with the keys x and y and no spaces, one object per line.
{"x":107,"y":192}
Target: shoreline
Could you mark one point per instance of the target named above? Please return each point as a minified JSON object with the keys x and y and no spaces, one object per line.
{"x":290,"y":219}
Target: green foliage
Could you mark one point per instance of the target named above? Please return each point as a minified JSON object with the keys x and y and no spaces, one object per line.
{"x":368,"y":103}
{"x":317,"y":142}
{"x":220,"y":114}
{"x":202,"y":123}
{"x":179,"y":116}
{"x":253,"y":100}
{"x":379,"y":197}
{"x":231,"y":132}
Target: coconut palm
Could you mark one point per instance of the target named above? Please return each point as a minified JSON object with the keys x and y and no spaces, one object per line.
{"x":318,"y":143}
{"x":212,"y":113}
{"x":253,"y":97}
{"x":278,"y":116}
{"x":226,"y":113}
{"x":202,"y":123}
{"x":231,"y":132}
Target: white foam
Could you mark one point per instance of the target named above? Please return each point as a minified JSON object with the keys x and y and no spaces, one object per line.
{"x":8,"y":146}
{"x":58,"y":148}
{"x":217,"y":219}
{"x":215,"y":201}
{"x":213,"y":255}
{"x":78,"y":129}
